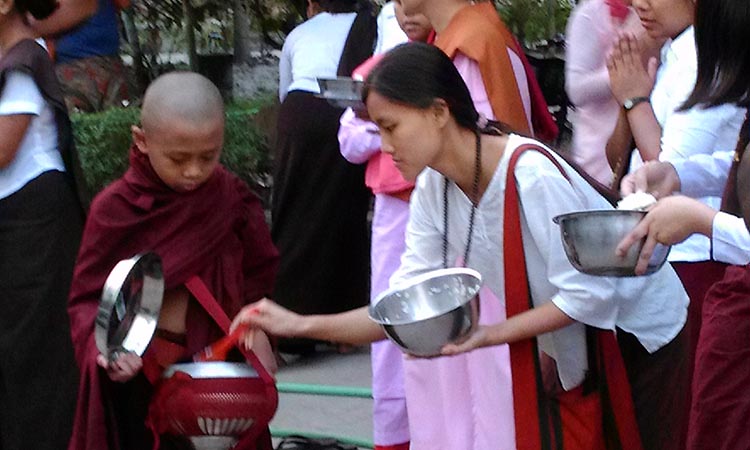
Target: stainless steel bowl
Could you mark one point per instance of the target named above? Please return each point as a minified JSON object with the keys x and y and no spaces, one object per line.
{"x":591,"y":237}
{"x":430,"y":310}
{"x":342,"y":92}
{"x":130,"y":305}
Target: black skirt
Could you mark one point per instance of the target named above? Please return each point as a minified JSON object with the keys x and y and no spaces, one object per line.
{"x":40,"y":231}
{"x":319,"y":212}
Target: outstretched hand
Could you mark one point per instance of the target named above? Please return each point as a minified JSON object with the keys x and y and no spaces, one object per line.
{"x":670,"y":221}
{"x":123,"y":368}
{"x":270,"y":317}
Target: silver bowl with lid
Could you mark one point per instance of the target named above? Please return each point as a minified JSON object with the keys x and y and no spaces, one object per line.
{"x":430,"y":310}
{"x":129,"y":307}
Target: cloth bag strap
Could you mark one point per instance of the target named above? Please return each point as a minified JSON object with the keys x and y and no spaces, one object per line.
{"x":529,"y":405}
{"x":200,"y":291}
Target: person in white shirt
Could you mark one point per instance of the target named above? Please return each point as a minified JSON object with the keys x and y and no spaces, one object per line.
{"x":430,"y":127}
{"x":41,"y":222}
{"x":319,"y":200}
{"x":652,"y":110}
{"x":720,"y":409}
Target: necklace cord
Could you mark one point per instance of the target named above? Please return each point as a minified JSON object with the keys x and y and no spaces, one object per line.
{"x":474,"y":199}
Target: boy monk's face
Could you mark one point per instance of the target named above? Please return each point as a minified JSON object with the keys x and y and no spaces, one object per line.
{"x":183,"y":154}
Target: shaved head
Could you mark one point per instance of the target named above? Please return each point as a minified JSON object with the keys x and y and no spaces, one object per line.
{"x":184,"y":97}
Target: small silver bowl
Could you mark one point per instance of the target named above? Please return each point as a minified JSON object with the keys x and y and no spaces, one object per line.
{"x":591,"y":237}
{"x":342,"y":92}
{"x":430,"y":310}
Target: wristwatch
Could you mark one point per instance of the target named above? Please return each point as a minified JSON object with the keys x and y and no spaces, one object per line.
{"x":630,"y":103}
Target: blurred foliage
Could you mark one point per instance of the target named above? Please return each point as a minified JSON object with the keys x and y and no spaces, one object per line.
{"x":103,"y":141}
{"x":533,"y":21}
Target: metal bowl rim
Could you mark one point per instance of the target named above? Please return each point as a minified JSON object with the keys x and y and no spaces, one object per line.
{"x":418,"y":279}
{"x":212,"y":369}
{"x":597,"y":212}
{"x":112,"y":289}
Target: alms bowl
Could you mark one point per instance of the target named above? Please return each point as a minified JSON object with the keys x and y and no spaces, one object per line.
{"x":591,"y":237}
{"x":430,"y":310}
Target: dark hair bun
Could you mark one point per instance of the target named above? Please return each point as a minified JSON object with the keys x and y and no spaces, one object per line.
{"x":40,"y":9}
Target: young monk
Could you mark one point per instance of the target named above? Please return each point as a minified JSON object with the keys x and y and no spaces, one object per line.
{"x":484,"y":399}
{"x":178,"y":201}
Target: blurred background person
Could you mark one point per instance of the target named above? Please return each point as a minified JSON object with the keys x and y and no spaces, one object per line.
{"x":319,"y":202}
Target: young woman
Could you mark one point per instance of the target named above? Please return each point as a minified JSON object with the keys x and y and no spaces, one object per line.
{"x":720,"y":407}
{"x":476,"y":400}
{"x":41,"y":220}
{"x":360,"y":143}
{"x":592,"y":29}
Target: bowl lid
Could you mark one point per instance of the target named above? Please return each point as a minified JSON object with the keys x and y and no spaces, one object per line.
{"x":129,"y":307}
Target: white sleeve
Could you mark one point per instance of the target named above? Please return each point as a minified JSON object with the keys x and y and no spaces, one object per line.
{"x":21,"y":95}
{"x":359,"y":139}
{"x":545,"y":193}
{"x":730,"y":239}
{"x":704,"y":175}
{"x":695,"y":131}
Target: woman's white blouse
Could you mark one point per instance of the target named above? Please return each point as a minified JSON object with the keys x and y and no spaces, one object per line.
{"x":312,"y":50}
{"x":38,"y":151}
{"x":653,"y":308}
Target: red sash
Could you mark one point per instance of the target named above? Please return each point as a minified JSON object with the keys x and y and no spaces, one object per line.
{"x":535,"y":413}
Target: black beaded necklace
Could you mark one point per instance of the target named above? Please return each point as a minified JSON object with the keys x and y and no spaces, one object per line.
{"x":474,"y":201}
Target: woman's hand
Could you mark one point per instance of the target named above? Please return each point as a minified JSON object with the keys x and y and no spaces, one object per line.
{"x":670,"y":221}
{"x":123,"y":368}
{"x":475,"y":340}
{"x":658,"y":178}
{"x":270,"y":317}
{"x":629,"y":77}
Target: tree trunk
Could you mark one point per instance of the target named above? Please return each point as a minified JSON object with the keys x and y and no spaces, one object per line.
{"x":189,"y":26}
{"x":131,"y":34}
{"x":243,"y":39}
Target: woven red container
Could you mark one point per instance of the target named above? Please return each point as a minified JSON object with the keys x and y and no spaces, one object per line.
{"x":212,"y":399}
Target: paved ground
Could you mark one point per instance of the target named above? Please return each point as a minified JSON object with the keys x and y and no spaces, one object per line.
{"x":348,"y":417}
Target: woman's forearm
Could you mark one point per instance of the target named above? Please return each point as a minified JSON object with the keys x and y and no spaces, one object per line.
{"x":646,"y":131}
{"x":534,"y":322}
{"x":351,"y":327}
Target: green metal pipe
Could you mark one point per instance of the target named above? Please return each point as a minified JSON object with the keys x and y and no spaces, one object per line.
{"x":322,"y":389}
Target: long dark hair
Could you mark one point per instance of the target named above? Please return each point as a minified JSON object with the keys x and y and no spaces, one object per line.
{"x":722,"y":33}
{"x":416,"y":74}
{"x":40,"y":9}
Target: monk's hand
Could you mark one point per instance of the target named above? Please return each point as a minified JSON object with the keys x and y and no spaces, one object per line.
{"x":629,"y":77}
{"x":270,"y":317}
{"x":475,"y":340}
{"x":658,"y":178}
{"x":670,"y":221}
{"x":123,"y":367}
